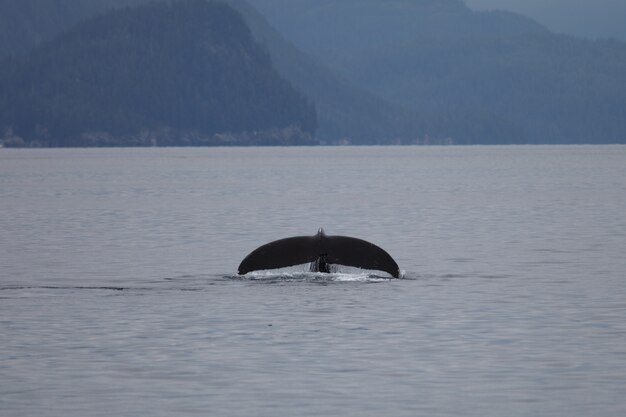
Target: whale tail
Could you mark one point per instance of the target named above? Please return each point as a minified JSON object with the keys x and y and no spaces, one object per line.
{"x":321,"y":250}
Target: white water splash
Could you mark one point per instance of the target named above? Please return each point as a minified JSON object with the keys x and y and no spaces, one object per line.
{"x":301,"y":273}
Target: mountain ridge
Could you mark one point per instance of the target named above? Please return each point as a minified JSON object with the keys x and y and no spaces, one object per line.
{"x":415,"y":71}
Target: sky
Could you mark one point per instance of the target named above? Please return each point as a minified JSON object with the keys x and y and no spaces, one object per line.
{"x":586,"y":18}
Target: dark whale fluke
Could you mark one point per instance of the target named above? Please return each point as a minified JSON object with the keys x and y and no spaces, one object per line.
{"x":320,"y":250}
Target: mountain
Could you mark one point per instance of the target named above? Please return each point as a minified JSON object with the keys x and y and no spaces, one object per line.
{"x":406,"y":71}
{"x":185,"y":73}
{"x":345,"y":113}
{"x":477,"y":77}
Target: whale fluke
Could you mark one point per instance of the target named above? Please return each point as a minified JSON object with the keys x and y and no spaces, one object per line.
{"x":320,"y":250}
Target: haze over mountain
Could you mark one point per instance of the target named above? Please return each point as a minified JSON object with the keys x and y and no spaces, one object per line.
{"x":477,"y":77}
{"x":585,"y":18}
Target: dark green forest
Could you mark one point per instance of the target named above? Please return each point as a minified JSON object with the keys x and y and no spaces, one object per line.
{"x":186,"y":73}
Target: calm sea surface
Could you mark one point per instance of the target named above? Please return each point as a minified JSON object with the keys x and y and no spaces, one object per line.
{"x":118,"y":293}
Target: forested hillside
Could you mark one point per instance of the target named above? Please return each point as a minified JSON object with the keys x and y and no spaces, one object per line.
{"x":345,"y":112}
{"x":186,"y":73}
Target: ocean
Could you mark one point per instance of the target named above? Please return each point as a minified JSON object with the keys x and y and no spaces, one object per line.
{"x":119,"y":293}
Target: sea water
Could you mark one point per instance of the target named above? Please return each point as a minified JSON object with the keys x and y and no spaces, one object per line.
{"x":119,"y":294}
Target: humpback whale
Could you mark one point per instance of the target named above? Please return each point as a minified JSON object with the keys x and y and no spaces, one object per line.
{"x":319,"y":250}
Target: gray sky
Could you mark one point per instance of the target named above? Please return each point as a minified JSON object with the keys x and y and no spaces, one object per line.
{"x":587,"y":18}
